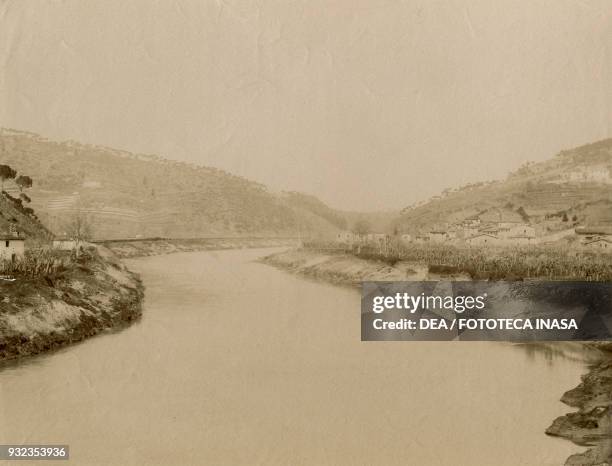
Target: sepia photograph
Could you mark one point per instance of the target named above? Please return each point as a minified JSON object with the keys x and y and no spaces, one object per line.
{"x":306,"y":232}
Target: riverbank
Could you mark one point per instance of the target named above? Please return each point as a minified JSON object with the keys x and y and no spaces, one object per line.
{"x":590,"y":426}
{"x":92,"y":294}
{"x":349,"y":270}
{"x":142,"y":248}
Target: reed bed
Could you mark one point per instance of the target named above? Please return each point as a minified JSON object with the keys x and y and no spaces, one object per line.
{"x":37,"y":263}
{"x":519,"y":262}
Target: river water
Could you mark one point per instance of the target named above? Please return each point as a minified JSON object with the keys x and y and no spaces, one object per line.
{"x":237,"y":363}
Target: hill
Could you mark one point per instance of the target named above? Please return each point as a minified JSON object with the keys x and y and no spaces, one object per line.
{"x":136,"y":195}
{"x":15,"y":217}
{"x":573,"y":188}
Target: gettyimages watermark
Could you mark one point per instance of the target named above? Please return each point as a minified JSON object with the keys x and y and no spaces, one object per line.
{"x":486,"y":310}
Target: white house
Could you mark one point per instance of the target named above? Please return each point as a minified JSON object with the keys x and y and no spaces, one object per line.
{"x":437,"y":236}
{"x":421,"y":239}
{"x":12,"y":247}
{"x":345,"y":237}
{"x":377,"y":237}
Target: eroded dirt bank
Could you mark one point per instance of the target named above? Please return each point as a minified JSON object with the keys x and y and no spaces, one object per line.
{"x":344,"y":269}
{"x":94,"y":293}
{"x":591,"y":425}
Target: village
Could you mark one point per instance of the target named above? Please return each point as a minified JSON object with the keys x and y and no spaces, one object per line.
{"x":500,"y":228}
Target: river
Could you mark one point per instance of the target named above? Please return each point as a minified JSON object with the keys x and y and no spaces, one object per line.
{"x":237,"y":363}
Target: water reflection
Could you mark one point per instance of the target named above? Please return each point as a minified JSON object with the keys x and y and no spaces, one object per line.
{"x":553,"y":351}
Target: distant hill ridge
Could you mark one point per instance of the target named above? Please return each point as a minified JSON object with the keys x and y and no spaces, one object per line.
{"x":575,"y":185}
{"x":129,"y":195}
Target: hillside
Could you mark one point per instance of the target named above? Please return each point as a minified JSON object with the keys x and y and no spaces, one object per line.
{"x":573,"y":188}
{"x":15,"y":217}
{"x":133,"y":195}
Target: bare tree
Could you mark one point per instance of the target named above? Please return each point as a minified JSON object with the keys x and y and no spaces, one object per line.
{"x":79,"y":229}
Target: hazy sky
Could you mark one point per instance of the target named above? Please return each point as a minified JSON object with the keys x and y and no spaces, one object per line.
{"x":368,"y":104}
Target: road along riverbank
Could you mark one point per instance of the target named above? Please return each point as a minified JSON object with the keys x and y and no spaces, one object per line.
{"x":153,"y":247}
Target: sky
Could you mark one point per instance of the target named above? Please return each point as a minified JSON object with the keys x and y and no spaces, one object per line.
{"x":367,"y":104}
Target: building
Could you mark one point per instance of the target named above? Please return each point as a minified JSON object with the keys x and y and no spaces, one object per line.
{"x":421,"y":239}
{"x":483,"y":239}
{"x":600,"y":244}
{"x":588,"y":234}
{"x":379,"y":238}
{"x":345,"y":237}
{"x":493,"y":230}
{"x":471,"y":222}
{"x":437,"y":236}
{"x":12,"y":246}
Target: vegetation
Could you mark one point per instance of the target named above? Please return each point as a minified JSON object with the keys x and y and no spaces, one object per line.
{"x":362,"y":227}
{"x":23,"y":181}
{"x":548,"y":190}
{"x":317,"y":207}
{"x":527,"y":262}
{"x":59,"y":299}
{"x":40,"y":262}
{"x":78,"y":227}
{"x":6,"y":173}
{"x":130,"y":195}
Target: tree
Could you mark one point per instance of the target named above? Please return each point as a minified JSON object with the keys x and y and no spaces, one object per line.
{"x":6,"y":173}
{"x":24,"y":182}
{"x":78,"y":228}
{"x":362,"y":227}
{"x":565,"y":219}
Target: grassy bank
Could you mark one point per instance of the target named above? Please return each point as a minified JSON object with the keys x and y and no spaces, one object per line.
{"x":142,"y":248}
{"x":497,"y":263}
{"x":57,"y":300}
